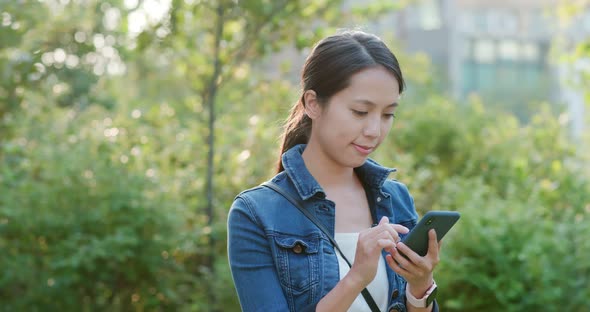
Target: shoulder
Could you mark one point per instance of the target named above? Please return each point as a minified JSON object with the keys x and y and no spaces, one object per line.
{"x":247,"y":207}
{"x":251,"y":200}
{"x":402,"y":200}
{"x":260,"y":192}
{"x":396,"y":188}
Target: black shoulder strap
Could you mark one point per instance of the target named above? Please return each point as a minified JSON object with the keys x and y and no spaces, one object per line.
{"x":366,"y":294}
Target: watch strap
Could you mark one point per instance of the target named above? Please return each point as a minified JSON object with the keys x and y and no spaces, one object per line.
{"x":425,"y":301}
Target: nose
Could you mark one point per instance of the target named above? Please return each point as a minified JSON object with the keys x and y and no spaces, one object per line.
{"x":372,"y":128}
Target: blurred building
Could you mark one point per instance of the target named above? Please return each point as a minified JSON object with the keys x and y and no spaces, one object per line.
{"x":499,"y":49}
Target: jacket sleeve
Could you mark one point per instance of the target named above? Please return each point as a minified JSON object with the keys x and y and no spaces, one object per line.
{"x":251,"y":262}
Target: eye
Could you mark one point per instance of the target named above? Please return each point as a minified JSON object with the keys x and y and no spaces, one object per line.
{"x":389,"y":115}
{"x":359,"y":113}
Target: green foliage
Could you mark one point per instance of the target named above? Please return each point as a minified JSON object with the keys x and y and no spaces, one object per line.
{"x":79,"y":224}
{"x":524,"y":199}
{"x":59,"y":48}
{"x":509,"y":253}
{"x":101,"y":207}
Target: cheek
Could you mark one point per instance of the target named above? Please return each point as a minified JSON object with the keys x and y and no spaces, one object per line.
{"x":344,"y":123}
{"x":386,"y":127}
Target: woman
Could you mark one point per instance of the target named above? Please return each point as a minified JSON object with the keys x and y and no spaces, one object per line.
{"x":280,"y":259}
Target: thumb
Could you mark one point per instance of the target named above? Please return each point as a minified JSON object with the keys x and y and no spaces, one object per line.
{"x":384,"y":220}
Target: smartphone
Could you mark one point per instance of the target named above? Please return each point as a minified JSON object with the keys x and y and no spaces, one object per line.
{"x":440,"y":221}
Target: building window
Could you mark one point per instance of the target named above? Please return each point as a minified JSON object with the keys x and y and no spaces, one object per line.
{"x":509,"y":71}
{"x":509,"y":50}
{"x":484,"y":51}
{"x":502,"y":22}
{"x":531,"y":52}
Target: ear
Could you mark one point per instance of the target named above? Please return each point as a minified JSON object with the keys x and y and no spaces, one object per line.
{"x":312,"y":106}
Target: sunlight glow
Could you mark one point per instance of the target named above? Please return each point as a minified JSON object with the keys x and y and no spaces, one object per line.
{"x":149,"y":13}
{"x":59,"y":55}
{"x":111,"y":18}
{"x":243,"y":156}
{"x":254,"y":120}
{"x":136,"y":113}
{"x":111,"y":132}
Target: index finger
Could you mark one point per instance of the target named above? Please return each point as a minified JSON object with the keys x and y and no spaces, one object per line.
{"x":400,"y":228}
{"x":391,"y":227}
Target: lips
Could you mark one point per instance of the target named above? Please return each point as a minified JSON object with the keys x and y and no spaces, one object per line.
{"x":363,"y":149}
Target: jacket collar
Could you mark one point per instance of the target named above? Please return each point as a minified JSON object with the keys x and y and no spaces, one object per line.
{"x":370,"y":173}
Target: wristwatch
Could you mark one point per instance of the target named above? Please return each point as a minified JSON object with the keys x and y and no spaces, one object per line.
{"x":424,"y":301}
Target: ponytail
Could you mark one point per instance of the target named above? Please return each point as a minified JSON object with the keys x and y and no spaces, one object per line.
{"x":297,"y":129}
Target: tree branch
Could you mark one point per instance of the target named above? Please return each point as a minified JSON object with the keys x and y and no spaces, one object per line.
{"x":209,"y":101}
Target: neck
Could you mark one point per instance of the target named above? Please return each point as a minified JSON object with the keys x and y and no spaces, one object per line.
{"x":328,"y":173}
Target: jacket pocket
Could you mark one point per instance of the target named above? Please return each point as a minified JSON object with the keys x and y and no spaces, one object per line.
{"x":298,"y":260}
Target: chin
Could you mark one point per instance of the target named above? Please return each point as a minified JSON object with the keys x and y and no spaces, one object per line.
{"x":358,"y":163}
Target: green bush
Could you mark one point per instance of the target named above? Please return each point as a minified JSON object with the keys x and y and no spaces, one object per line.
{"x":524,"y":196}
{"x":511,"y":255}
{"x":103,"y":210}
{"x":90,"y":218}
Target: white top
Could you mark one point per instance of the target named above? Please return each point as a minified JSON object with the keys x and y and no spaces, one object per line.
{"x":379,"y":287}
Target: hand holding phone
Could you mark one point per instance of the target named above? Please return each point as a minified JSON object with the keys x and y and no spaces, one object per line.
{"x":440,"y":221}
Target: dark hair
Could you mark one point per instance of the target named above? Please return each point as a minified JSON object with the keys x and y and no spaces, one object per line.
{"x":328,"y":70}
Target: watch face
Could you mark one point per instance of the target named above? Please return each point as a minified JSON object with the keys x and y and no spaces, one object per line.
{"x":431,"y":297}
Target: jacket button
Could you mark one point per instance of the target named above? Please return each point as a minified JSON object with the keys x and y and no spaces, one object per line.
{"x":378,"y":199}
{"x":297,"y":249}
{"x":395,"y":294}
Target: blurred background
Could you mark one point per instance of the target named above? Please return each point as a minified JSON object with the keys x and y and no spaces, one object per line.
{"x":127,"y":127}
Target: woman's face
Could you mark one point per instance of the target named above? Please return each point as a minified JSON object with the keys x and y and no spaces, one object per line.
{"x":357,"y":119}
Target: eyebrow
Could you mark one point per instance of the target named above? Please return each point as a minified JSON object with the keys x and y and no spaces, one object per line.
{"x":371,"y":103}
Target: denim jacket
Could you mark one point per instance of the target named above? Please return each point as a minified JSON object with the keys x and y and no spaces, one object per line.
{"x":280,"y":261}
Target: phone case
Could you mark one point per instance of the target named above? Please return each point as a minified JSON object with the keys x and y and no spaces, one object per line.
{"x":440,"y":221}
